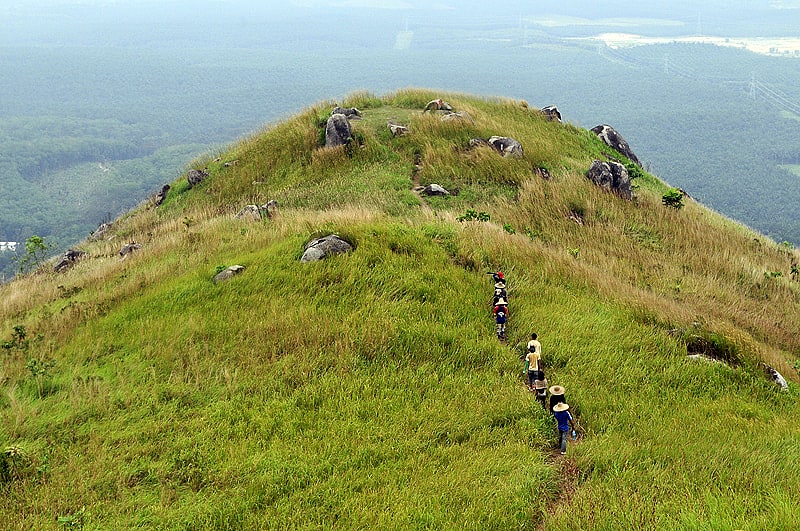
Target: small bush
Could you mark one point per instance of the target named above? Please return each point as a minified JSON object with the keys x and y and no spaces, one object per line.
{"x":673,"y":199}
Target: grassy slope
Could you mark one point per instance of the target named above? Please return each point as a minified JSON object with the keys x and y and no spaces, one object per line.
{"x":367,"y":390}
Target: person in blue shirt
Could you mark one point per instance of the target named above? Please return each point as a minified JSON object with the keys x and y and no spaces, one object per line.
{"x":565,"y":422}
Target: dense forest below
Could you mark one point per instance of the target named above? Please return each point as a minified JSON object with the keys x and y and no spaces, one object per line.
{"x":87,"y":132}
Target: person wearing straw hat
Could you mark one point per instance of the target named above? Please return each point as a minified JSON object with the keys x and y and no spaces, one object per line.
{"x":557,"y":396}
{"x":540,"y":387}
{"x":565,"y":422}
{"x":499,"y":293}
{"x":500,"y":317}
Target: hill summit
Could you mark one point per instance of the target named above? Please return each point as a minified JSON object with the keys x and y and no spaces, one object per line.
{"x":369,"y":389}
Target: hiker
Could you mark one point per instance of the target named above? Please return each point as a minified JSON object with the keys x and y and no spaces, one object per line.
{"x":540,"y":387}
{"x":557,"y":396}
{"x":565,"y":422}
{"x":533,"y":362}
{"x":499,"y":293}
{"x":500,"y":317}
{"x":498,"y":276}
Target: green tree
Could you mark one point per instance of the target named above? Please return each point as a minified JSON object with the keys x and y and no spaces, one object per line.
{"x":35,"y":252}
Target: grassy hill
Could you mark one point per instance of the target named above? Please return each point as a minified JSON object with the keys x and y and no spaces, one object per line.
{"x":368,"y":390}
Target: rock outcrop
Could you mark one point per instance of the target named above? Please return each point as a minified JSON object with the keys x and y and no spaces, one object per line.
{"x":228,"y":273}
{"x":195,"y":177}
{"x":611,"y":176}
{"x":460,"y":116}
{"x":552,"y":113}
{"x":350,"y":112}
{"x":506,"y":146}
{"x":337,"y":131}
{"x":434,"y":190}
{"x":257,"y":213}
{"x":101,"y":233}
{"x":776,"y":377}
{"x":129,"y":249}
{"x":397,"y":129}
{"x":613,"y":139}
{"x":68,"y":259}
{"x":160,"y":196}
{"x":324,"y":247}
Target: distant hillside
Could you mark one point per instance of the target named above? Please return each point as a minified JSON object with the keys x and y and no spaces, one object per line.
{"x":368,"y":390}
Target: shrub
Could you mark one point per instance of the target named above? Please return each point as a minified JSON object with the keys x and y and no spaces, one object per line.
{"x":673,"y":198}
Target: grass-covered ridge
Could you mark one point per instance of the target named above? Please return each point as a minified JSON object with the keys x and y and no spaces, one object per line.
{"x":368,"y":390}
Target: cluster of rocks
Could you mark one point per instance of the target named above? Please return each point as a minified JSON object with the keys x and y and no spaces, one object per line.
{"x":337,"y":129}
{"x":256,"y":212}
{"x":195,"y":177}
{"x":68,"y":259}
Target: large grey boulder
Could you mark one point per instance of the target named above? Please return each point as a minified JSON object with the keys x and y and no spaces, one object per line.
{"x":508,"y":147}
{"x":613,"y":139}
{"x":228,"y":273}
{"x":611,"y":176}
{"x":337,"y":131}
{"x":324,"y":247}
{"x":68,"y":259}
{"x":551,"y":112}
{"x":196,"y":176}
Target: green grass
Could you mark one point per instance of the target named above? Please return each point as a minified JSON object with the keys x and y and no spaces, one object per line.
{"x":368,"y":390}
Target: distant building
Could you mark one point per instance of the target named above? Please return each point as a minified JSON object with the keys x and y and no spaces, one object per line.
{"x":8,"y":246}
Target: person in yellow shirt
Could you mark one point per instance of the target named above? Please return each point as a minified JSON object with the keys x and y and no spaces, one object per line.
{"x":533,"y":361}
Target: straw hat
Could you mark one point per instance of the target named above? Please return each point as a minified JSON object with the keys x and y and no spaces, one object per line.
{"x":500,"y":285}
{"x":557,"y":390}
{"x":540,"y":384}
{"x":561,"y":406}
{"x":501,"y":301}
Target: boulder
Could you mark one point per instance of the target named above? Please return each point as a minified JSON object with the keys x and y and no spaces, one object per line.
{"x":257,"y":213}
{"x":250,"y":211}
{"x":160,"y":196}
{"x":196,"y":176}
{"x":611,"y":176}
{"x":337,"y":131}
{"x":397,"y":129}
{"x":461,"y":116}
{"x":612,"y":138}
{"x":434,"y":189}
{"x":776,"y":377}
{"x":324,"y":247}
{"x":228,"y":273}
{"x":508,"y":147}
{"x":101,"y":232}
{"x":129,"y":249}
{"x":68,"y":259}
{"x":351,"y":112}
{"x":551,"y":113}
